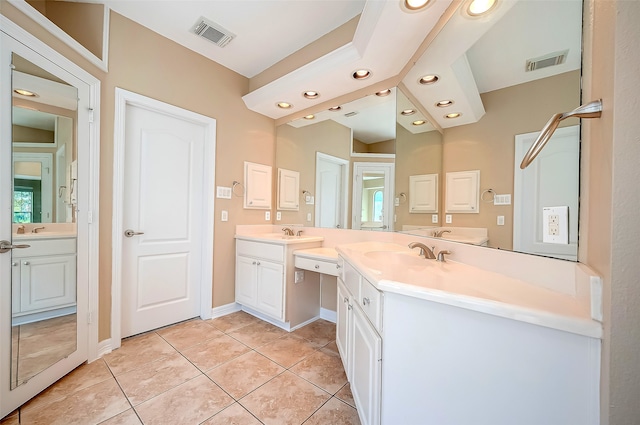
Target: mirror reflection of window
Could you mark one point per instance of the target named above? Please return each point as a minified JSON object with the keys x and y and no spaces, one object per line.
{"x":378,"y":197}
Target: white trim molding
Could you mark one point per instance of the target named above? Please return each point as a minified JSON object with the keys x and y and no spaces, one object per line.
{"x":223,"y":310}
{"x":54,"y":30}
{"x":328,"y":315}
{"x":122,"y":99}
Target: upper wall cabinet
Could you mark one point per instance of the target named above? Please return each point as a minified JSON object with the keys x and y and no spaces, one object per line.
{"x":257,"y":180}
{"x":423,"y":193}
{"x":462,"y":192}
{"x":288,"y":189}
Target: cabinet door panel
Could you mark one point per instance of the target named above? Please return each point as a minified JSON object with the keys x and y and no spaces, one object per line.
{"x":365,"y":348}
{"x":246,"y":281}
{"x":270,"y":288}
{"x":342,"y":326}
{"x":47,"y":282}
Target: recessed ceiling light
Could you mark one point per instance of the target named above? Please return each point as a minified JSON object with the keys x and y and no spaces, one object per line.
{"x":23,"y":92}
{"x":309,"y":117}
{"x":284,"y":105}
{"x":311,"y":94}
{"x":428,"y":79}
{"x":415,"y":4}
{"x":444,"y":103}
{"x":479,"y":7}
{"x":385,"y":92}
{"x":408,"y":112}
{"x":419,"y":122}
{"x":361,"y":74}
{"x":335,"y":108}
{"x":453,"y":115}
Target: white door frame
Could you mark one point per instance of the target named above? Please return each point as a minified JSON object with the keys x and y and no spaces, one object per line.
{"x":88,"y":127}
{"x":344,"y":163}
{"x":123,"y":99}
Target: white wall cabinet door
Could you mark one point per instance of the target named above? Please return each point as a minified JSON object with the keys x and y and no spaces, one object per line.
{"x":423,"y":193}
{"x":257,"y":180}
{"x":288,"y":190}
{"x":365,"y":358}
{"x":463,"y":192}
{"x":47,"y":282}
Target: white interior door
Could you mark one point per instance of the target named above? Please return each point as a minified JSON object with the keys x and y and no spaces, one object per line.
{"x":162,"y":218}
{"x":373,"y":185}
{"x":331,"y":191}
{"x":550,"y":181}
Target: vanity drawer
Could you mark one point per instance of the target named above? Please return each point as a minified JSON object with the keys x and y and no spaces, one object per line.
{"x":267,"y":251}
{"x":41,"y":247}
{"x":320,"y":266}
{"x":351,"y":279}
{"x":371,"y":302}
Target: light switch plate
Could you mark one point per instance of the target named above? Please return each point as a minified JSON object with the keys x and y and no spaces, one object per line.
{"x":448,"y":219}
{"x":223,"y":192}
{"x":500,"y":221}
{"x":308,"y":216}
{"x":555,"y":225}
{"x":224,"y":216}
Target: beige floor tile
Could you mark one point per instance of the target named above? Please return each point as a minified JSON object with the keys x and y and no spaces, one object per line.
{"x":154,"y":378}
{"x":334,"y":412}
{"x":324,"y":369}
{"x":320,"y":332}
{"x":288,"y":350}
{"x":214,"y":352}
{"x":286,"y":399}
{"x":128,"y":417}
{"x":233,"y":415}
{"x":189,"y":403}
{"x":332,"y":347}
{"x":81,"y":377}
{"x":138,"y":351}
{"x":88,"y":406}
{"x":244,"y":374}
{"x":257,"y":334}
{"x":188,"y":334}
{"x":233,"y":321}
{"x":346,"y":395}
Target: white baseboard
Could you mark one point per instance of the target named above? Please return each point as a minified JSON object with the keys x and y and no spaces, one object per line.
{"x":223,"y":310}
{"x":282,"y":325}
{"x":104,"y":348}
{"x":328,"y":315}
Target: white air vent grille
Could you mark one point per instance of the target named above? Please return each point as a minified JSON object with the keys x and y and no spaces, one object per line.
{"x":350,"y":114}
{"x":552,"y":59}
{"x":212,"y":32}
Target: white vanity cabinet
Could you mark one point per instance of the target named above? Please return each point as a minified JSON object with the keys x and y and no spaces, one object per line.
{"x":265,"y":281}
{"x":358,"y":326}
{"x":43,"y":276}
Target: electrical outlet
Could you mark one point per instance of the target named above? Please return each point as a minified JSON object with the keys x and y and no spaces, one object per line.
{"x":308,"y":216}
{"x":299,"y":276}
{"x":448,"y":219}
{"x":555,"y":225}
{"x":267,"y":215}
{"x":500,"y":220}
{"x":278,"y":216}
{"x":224,"y":216}
{"x":434,"y":218}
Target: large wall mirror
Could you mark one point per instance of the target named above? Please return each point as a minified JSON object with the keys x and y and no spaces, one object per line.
{"x":496,"y":86}
{"x":43,"y":296}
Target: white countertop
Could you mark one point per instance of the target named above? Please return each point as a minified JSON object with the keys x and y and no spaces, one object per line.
{"x":279,"y":238}
{"x":396,"y":269}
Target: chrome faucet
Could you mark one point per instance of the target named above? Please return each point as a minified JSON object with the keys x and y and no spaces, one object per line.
{"x":20,"y":230}
{"x":35,"y":229}
{"x":424,"y":250}
{"x":439,"y":233}
{"x":299,"y":233}
{"x":287,"y":231}
{"x":441,"y":255}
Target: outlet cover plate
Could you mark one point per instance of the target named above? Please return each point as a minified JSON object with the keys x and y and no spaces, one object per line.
{"x":555,"y":225}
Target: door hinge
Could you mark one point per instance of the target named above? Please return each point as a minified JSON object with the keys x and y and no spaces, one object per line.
{"x":89,"y":318}
{"x":90,"y":115}
{"x":90,"y":216}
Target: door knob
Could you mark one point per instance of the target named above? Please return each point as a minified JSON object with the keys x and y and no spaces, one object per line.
{"x":6,"y":246}
{"x":130,"y":233}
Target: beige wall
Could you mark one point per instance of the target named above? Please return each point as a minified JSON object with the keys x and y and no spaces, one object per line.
{"x":416,"y":154}
{"x":609,"y":224}
{"x":31,"y":135}
{"x":488,"y":145}
{"x":296,"y":150}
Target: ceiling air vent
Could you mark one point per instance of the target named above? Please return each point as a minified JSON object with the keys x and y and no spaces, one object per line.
{"x":212,"y":32}
{"x":546,"y":61}
{"x":350,"y":114}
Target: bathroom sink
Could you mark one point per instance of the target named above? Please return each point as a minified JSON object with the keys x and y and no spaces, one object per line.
{"x":395,"y":259}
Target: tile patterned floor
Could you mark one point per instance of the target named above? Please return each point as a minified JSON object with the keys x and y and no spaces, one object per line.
{"x":234,"y":369}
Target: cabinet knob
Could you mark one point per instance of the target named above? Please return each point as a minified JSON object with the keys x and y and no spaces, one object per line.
{"x":349,"y":307}
{"x":14,"y":264}
{"x":366,"y":301}
{"x":26,"y":263}
{"x":254,"y":263}
{"x":317,"y":266}
{"x":258,"y":262}
{"x":346,"y":300}
{"x":337,"y":266}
